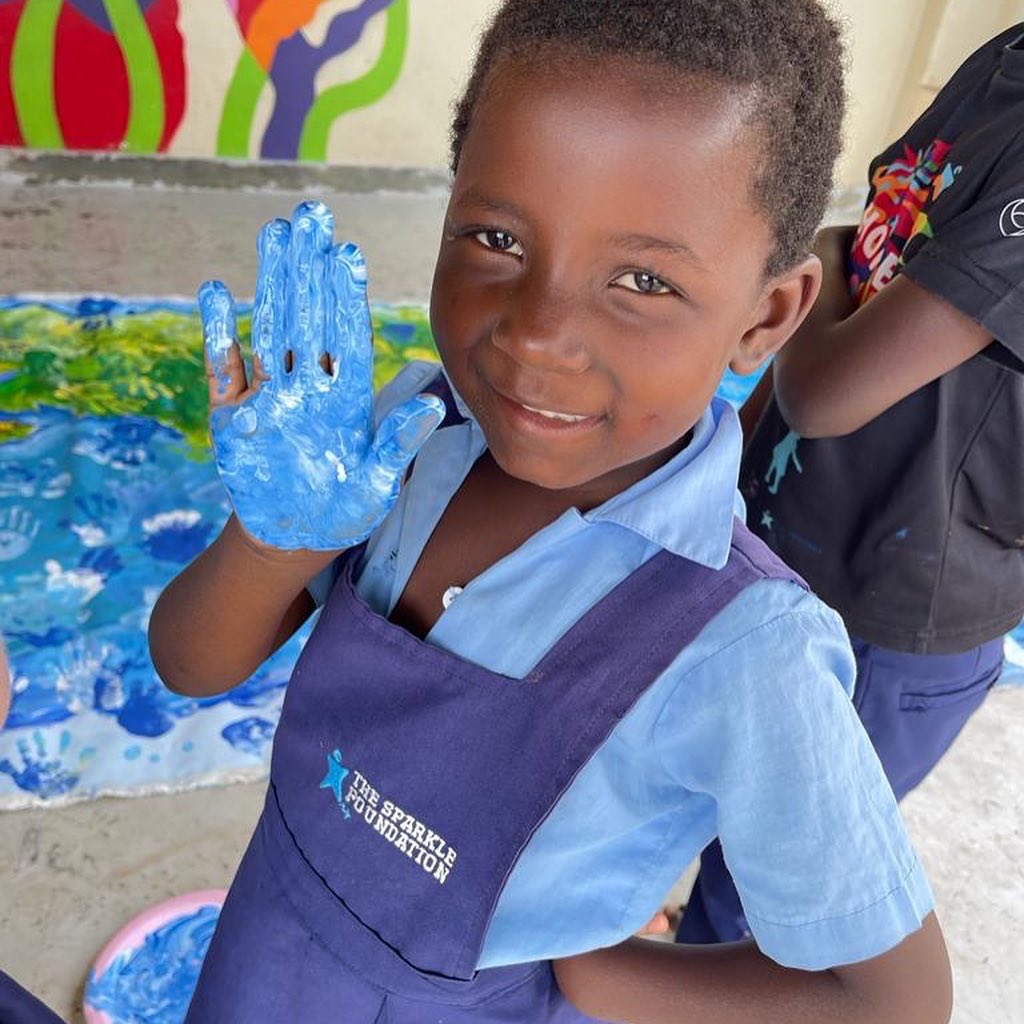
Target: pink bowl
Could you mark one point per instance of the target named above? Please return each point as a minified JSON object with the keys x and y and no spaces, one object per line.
{"x":133,"y":935}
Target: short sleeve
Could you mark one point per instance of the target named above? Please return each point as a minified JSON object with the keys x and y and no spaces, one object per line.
{"x":409,"y":381}
{"x":808,"y":824}
{"x":974,"y":259}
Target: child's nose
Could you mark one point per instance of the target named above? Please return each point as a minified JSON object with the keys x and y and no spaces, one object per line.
{"x":542,"y":327}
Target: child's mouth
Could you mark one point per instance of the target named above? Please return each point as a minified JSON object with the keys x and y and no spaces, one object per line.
{"x":565,"y":417}
{"x":535,"y":417}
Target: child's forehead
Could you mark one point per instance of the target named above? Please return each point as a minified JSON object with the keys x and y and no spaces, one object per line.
{"x":573,"y":110}
{"x":698,"y":102}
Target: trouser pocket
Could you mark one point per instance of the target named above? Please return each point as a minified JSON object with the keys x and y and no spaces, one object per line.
{"x":914,"y":706}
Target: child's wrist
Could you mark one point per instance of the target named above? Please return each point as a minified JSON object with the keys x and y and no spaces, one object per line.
{"x":300,"y":564}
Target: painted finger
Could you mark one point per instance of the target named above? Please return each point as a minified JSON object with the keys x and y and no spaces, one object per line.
{"x":402,"y":433}
{"x":224,"y":368}
{"x":269,"y":342}
{"x":312,"y":235}
{"x":226,"y":386}
{"x":351,"y":334}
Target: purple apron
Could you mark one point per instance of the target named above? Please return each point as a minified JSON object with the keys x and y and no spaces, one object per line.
{"x":405,"y":784}
{"x":17,"y":1006}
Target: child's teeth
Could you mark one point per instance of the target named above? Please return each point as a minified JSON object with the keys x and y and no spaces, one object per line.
{"x":567,"y":417}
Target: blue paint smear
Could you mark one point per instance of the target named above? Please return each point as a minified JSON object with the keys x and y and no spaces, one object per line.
{"x":154,"y":983}
{"x":400,"y":333}
{"x":178,"y":542}
{"x":111,"y":508}
{"x":249,"y":735}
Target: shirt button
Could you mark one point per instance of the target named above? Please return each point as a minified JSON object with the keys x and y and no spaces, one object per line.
{"x":449,"y":596}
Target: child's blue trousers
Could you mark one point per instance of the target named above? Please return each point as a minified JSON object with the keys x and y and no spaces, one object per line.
{"x":913,"y":706}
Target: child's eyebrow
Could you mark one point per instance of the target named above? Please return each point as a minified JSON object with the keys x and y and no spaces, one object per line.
{"x":647,"y":243}
{"x":473,"y":196}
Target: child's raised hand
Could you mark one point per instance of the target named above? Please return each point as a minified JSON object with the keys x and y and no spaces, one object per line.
{"x":296,"y":446}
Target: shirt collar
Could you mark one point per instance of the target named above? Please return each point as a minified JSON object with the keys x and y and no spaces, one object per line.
{"x":688,"y":505}
{"x":459,"y":403}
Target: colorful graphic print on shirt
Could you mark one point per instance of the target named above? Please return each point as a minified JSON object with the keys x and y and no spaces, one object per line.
{"x":896,"y":212}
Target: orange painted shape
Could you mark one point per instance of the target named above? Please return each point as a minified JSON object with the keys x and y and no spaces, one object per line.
{"x":274,"y":21}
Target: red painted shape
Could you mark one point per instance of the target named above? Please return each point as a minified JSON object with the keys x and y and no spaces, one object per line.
{"x":91,"y":84}
{"x":10,"y":133}
{"x":162,"y":19}
{"x":246,"y":9}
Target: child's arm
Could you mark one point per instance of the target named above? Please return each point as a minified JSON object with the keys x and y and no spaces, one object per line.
{"x":227,"y":612}
{"x":644,"y":982}
{"x":844,"y":366}
{"x":810,"y":832}
{"x":307,"y":472}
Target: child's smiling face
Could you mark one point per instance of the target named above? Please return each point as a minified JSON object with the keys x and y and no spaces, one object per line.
{"x":602,"y":263}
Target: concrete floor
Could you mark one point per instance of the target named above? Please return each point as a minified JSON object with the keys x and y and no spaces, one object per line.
{"x":136,"y":227}
{"x":71,"y":876}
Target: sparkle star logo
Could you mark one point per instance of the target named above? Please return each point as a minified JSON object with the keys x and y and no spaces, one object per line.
{"x":334,"y":780}
{"x":1011,"y":220}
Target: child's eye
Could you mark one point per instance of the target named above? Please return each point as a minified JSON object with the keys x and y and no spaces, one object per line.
{"x":501,"y":241}
{"x":643,"y":282}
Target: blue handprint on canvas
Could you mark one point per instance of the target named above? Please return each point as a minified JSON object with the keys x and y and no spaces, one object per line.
{"x":41,"y":773}
{"x":18,"y":529}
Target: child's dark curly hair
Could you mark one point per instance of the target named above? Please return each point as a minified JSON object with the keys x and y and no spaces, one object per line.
{"x":788,"y":52}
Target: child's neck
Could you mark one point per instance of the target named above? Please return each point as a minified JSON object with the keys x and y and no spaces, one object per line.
{"x":489,"y":516}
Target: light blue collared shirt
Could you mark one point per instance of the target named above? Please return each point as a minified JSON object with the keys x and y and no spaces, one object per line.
{"x":749,"y":734}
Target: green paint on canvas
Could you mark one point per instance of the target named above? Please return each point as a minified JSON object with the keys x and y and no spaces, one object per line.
{"x":147,"y":364}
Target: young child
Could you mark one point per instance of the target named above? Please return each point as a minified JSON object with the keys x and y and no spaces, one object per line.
{"x":550,"y":663}
{"x":906,"y":510}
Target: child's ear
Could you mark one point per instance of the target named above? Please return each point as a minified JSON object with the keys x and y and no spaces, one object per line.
{"x":786,"y":300}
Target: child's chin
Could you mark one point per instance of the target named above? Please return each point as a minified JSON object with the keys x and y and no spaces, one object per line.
{"x":542,"y":470}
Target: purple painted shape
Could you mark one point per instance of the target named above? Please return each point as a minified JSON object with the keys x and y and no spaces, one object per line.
{"x":96,"y":11}
{"x":294,"y":71}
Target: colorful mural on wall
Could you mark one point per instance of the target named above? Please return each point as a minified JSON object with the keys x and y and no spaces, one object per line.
{"x":114,"y":74}
{"x":277,"y":53}
{"x":91,"y":74}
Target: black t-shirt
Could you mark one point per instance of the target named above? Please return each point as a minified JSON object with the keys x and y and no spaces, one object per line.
{"x":913,"y":526}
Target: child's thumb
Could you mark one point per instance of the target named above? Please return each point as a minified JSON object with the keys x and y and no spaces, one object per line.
{"x":403,"y":432}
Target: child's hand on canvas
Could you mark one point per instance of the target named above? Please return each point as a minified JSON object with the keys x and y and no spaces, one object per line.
{"x":296,"y":446}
